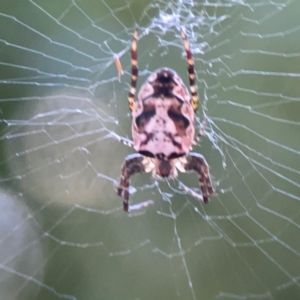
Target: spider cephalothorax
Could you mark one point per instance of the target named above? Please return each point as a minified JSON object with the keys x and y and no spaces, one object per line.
{"x":163,"y":126}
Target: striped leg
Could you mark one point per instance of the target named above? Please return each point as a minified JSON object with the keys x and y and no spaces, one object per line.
{"x":134,"y":71}
{"x":191,"y":71}
{"x":202,"y":129}
{"x":125,"y":141}
{"x":196,"y":162}
{"x":133,"y":164}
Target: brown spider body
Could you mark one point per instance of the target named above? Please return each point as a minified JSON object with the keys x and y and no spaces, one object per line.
{"x":163,"y":127}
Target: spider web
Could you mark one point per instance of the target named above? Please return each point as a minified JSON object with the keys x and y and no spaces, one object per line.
{"x":63,"y":232}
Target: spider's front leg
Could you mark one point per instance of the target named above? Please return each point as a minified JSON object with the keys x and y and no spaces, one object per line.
{"x":196,"y":162}
{"x":134,"y":163}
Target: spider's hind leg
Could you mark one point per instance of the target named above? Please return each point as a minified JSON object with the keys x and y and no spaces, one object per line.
{"x":201,"y":131}
{"x":134,"y":71}
{"x":126,"y":142}
{"x":191,"y":71}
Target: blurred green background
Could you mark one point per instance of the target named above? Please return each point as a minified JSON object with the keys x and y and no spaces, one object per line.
{"x":63,"y":232}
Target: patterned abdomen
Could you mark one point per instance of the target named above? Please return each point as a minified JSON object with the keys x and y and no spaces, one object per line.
{"x":163,"y":118}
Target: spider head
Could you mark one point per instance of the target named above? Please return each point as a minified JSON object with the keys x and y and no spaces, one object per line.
{"x":163,"y":166}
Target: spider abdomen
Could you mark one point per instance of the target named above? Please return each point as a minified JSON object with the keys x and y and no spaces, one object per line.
{"x":163,"y":118}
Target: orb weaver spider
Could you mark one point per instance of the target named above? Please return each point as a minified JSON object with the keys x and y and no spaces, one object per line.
{"x":163,"y":127}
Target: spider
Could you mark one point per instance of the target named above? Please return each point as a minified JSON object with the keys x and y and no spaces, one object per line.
{"x":163,"y":127}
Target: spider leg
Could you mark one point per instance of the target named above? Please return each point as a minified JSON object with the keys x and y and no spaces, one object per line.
{"x":201,"y":131}
{"x":134,"y":163}
{"x":196,"y":162}
{"x":125,"y":141}
{"x":134,"y":71}
{"x":191,"y":70}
